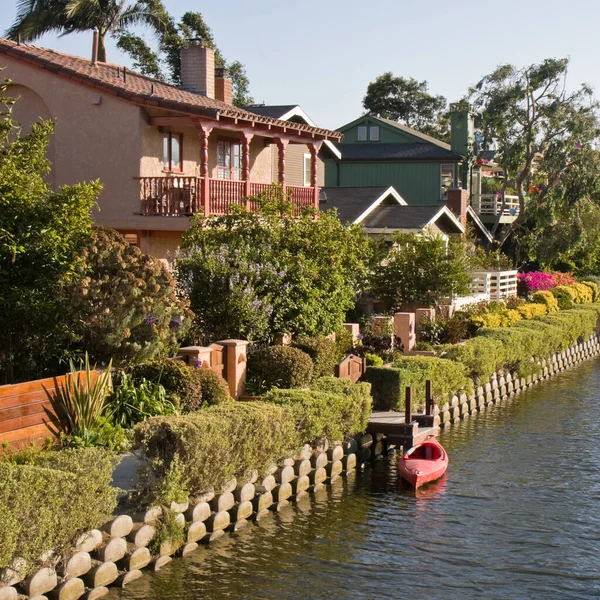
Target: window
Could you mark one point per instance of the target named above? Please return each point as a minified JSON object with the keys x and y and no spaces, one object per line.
{"x":172,"y":151}
{"x":374,"y":133}
{"x":229,"y":160}
{"x":447,"y":176}
{"x":307,"y":170}
{"x":362,"y":133}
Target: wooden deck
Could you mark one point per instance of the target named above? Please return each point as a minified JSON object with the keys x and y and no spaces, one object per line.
{"x":398,"y":432}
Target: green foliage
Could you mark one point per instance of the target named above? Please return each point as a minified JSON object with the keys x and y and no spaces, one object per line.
{"x":173,"y":487}
{"x":281,"y":367}
{"x":481,"y":356}
{"x":179,"y":380}
{"x":566,"y":296}
{"x":407,"y":101}
{"x":421,"y":269}
{"x":219,"y":443}
{"x":46,"y":503}
{"x":323,"y":415}
{"x":373,"y":360}
{"x":323,"y":351}
{"x":214,"y":388}
{"x":42,"y":235}
{"x":259,"y":274}
{"x":532,"y":310}
{"x":547,"y":298}
{"x":593,"y":288}
{"x":123,"y":304}
{"x":168,"y":530}
{"x":132,"y":401}
{"x":360,"y":393}
{"x":385,"y":387}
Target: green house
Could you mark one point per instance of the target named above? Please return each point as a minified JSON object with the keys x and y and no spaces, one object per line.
{"x":380,"y":152}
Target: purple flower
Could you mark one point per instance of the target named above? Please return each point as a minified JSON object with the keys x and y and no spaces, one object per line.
{"x":150,"y":320}
{"x":175,"y":323}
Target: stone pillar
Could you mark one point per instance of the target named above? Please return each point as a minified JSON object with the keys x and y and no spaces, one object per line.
{"x":354,"y":329}
{"x":404,"y":329}
{"x":196,"y":356}
{"x":420,"y":315}
{"x":235,"y":365}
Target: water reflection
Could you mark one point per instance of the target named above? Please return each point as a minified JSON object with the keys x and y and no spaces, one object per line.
{"x":515,"y":516}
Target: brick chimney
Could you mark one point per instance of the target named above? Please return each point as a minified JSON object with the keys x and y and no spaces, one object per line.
{"x":198,"y":69}
{"x":457,"y":202}
{"x":223,"y":86}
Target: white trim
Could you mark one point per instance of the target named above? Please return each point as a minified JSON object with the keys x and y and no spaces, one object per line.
{"x":389,"y":192}
{"x":479,"y":223}
{"x":298,"y":112}
{"x":444,"y":210}
{"x":305,"y":172}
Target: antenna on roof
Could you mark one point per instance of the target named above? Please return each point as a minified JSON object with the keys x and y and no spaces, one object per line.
{"x":95,"y":48}
{"x":152,"y":90}
{"x":124,"y":75}
{"x":18,"y":39}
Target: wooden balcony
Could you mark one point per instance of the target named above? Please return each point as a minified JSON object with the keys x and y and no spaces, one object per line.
{"x":184,"y":196}
{"x":488,"y":206}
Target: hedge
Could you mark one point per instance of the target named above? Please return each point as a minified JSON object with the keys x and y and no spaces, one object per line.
{"x":593,"y":287}
{"x":322,"y":415}
{"x":48,"y":502}
{"x":481,"y":356}
{"x":281,"y":367}
{"x":385,"y":388}
{"x":532,"y":310}
{"x":210,"y":447}
{"x":360,"y":393}
{"x":546,"y":297}
{"x":324,"y":352}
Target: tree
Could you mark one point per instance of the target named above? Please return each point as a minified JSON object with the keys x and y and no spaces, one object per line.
{"x":257,"y":274}
{"x":42,"y":235}
{"x":165,"y":64}
{"x":421,"y":269}
{"x":407,"y":101}
{"x":545,"y":140}
{"x":37,"y":17}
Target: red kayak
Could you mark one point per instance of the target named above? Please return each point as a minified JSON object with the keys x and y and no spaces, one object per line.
{"x":423,"y":463}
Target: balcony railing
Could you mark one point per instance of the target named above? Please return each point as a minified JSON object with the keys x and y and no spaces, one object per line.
{"x":496,"y":285}
{"x":184,"y":196}
{"x":491,"y":204}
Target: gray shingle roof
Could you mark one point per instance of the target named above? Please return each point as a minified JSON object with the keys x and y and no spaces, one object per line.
{"x":274,"y":112}
{"x":400,"y":217}
{"x":350,"y":202}
{"x":396,"y":152}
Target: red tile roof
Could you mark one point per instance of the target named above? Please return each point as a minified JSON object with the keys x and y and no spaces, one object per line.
{"x":119,"y":81}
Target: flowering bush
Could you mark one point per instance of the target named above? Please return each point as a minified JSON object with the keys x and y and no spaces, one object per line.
{"x":537,"y":281}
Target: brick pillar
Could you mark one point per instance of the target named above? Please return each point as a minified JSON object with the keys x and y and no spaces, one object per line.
{"x":404,"y":329}
{"x":198,"y":70}
{"x":354,"y":329}
{"x":458,"y":200}
{"x":235,"y":366}
{"x":422,"y":313}
{"x":223,"y":86}
{"x":196,"y":356}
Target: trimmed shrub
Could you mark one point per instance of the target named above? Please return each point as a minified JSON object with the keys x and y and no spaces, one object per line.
{"x":49,"y":501}
{"x":321,"y":415}
{"x":593,"y":287}
{"x":385,"y":388}
{"x":547,"y":298}
{"x":532,"y":310}
{"x":323,"y":352}
{"x":359,"y":392}
{"x":584,"y":293}
{"x":373,"y":360}
{"x":219,"y":443}
{"x":481,"y":356}
{"x":518,"y":347}
{"x":281,"y":367}
{"x":214,"y":388}
{"x":566,"y":296}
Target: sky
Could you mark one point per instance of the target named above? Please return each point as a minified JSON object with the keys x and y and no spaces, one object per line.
{"x":321,"y":54}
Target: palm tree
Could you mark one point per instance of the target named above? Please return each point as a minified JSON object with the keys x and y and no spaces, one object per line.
{"x":37,"y":17}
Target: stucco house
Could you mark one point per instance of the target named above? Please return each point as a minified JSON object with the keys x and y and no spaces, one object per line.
{"x":161,"y":152}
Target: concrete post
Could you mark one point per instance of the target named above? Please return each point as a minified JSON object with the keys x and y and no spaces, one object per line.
{"x":354,"y":329}
{"x":235,"y":365}
{"x":404,"y":329}
{"x":196,"y":356}
{"x":423,"y":313}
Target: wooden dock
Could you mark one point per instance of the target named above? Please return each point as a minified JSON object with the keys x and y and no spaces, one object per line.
{"x":407,"y":429}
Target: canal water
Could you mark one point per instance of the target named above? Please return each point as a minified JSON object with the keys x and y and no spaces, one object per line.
{"x":517,"y":516}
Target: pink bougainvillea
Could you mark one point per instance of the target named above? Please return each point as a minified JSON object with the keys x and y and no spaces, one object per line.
{"x":537,"y":281}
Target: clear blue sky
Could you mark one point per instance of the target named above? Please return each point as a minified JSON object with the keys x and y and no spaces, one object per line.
{"x":321,"y":54}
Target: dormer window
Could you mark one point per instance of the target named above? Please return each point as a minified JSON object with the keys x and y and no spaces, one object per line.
{"x":374,"y":133}
{"x":362,"y":133}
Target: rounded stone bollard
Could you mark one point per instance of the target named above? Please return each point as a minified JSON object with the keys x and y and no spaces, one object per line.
{"x":79,"y":564}
{"x":102,"y":575}
{"x":72,"y":589}
{"x":320,"y":475}
{"x":119,"y":527}
{"x":350,"y":447}
{"x":138,"y":559}
{"x":302,"y":467}
{"x":188,"y":548}
{"x":301,"y":484}
{"x":218,"y":521}
{"x":89,"y":541}
{"x":222,"y":502}
{"x":266,"y":485}
{"x":198,"y":512}
{"x":335,"y":453}
{"x":262,"y":502}
{"x":126,"y":578}
{"x":245,"y":493}
{"x":141,"y":535}
{"x":205,"y":496}
{"x":284,"y":474}
{"x":179,"y":507}
{"x":41,"y":582}
{"x":240,"y":511}
{"x":167,"y":548}
{"x":8,"y":593}
{"x":113,"y":551}
{"x":97,"y":593}
{"x":196,"y":531}
{"x":320,"y":460}
{"x":161,"y":561}
{"x":365,"y":455}
{"x":229,"y":486}
{"x":349,"y":462}
{"x":364,"y":441}
{"x":282,"y":492}
{"x":305,"y":453}
{"x":334,"y":469}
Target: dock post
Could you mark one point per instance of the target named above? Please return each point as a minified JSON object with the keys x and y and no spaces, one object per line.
{"x":408,"y":405}
{"x":428,"y":398}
